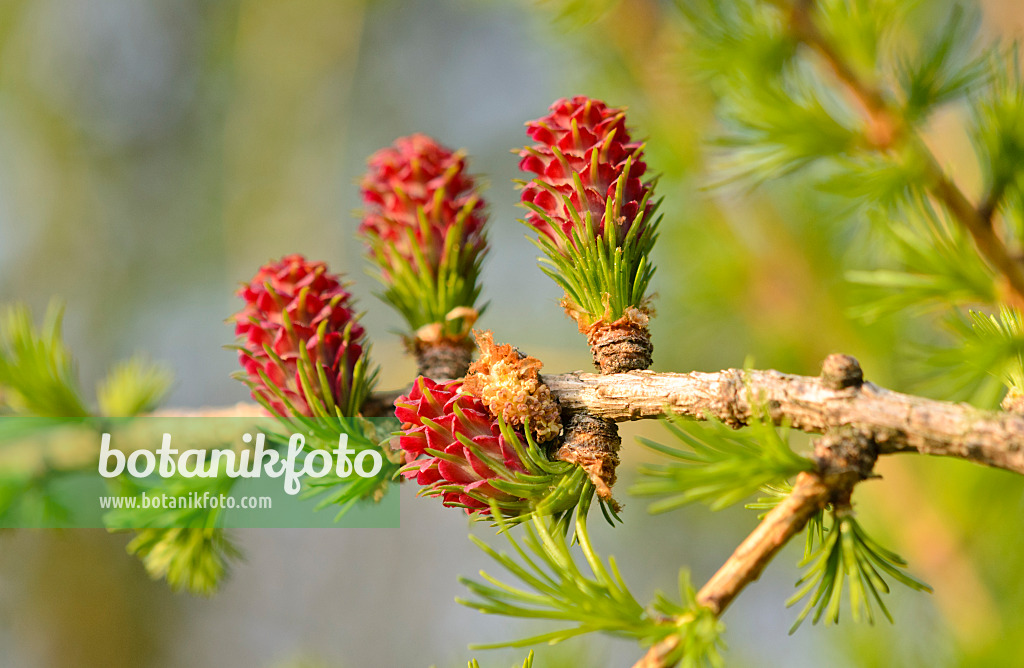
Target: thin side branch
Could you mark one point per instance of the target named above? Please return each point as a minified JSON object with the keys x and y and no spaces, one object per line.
{"x":979,"y":224}
{"x":810,"y":494}
{"x":885,"y":127}
{"x":843,"y":458}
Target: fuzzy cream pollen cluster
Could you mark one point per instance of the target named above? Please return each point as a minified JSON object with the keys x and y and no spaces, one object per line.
{"x":508,"y":384}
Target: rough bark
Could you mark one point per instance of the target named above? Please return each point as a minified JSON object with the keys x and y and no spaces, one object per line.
{"x":895,"y":422}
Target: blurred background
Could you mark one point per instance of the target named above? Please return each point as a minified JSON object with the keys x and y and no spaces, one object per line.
{"x":154,"y":154}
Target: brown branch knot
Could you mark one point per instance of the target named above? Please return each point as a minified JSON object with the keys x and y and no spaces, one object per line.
{"x":839,"y":372}
{"x":844,"y":457}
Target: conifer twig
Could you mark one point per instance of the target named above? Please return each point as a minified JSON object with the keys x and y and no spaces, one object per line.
{"x":810,"y":494}
{"x":838,"y":398}
{"x":885,"y":127}
{"x":895,"y":422}
{"x":843,"y":458}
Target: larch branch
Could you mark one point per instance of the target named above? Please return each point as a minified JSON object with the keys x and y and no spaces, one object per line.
{"x":895,"y":422}
{"x":885,"y":126}
{"x":810,"y":494}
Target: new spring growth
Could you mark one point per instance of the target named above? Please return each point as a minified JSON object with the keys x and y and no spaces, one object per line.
{"x":300,"y":342}
{"x":595,"y":220}
{"x":248,"y":462}
{"x":424,"y":229}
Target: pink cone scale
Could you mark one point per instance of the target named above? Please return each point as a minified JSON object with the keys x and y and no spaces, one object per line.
{"x":594,"y":217}
{"x":458,"y":451}
{"x":415,"y":193}
{"x":423,"y":225}
{"x":295,"y":308}
{"x":586,"y":139}
{"x":444,"y":420}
